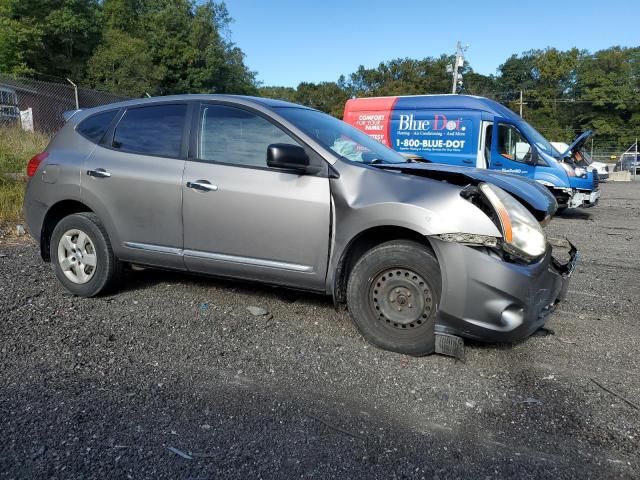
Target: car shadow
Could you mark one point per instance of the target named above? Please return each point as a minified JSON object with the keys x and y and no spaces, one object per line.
{"x":135,"y":280}
{"x":574,"y":213}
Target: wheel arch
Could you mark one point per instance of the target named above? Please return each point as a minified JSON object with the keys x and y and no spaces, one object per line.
{"x":364,"y":241}
{"x":56,"y":213}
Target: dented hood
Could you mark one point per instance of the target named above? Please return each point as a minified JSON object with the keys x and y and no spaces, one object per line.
{"x":536,"y":197}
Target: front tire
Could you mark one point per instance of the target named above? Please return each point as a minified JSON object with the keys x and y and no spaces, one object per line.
{"x":82,"y":257}
{"x":393,"y":295}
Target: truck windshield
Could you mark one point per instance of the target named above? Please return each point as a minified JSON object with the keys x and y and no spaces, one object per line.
{"x":340,"y":137}
{"x":536,"y":137}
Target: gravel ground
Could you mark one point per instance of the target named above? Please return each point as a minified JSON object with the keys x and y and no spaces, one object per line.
{"x":172,"y":377}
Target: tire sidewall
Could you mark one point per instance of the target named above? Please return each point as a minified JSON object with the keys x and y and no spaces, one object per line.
{"x":398,"y":254}
{"x":104,"y":257}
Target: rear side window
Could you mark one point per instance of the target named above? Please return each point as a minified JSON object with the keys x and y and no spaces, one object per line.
{"x":153,"y":130}
{"x":96,"y":125}
{"x":235,"y":136}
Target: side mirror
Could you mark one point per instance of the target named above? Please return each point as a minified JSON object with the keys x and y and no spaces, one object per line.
{"x":287,"y":157}
{"x":533,"y":156}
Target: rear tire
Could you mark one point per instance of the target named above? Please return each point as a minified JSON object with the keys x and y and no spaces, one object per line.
{"x":393,"y":295}
{"x":82,"y":257}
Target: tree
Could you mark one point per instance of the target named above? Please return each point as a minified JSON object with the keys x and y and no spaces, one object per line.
{"x":608,"y":87}
{"x":402,"y":76}
{"x":325,"y":96}
{"x":54,"y":37}
{"x":17,"y":40}
{"x":478,"y":84}
{"x":184,"y":48}
{"x":547,"y":78}
{"x":288,"y":94}
{"x":122,"y":64}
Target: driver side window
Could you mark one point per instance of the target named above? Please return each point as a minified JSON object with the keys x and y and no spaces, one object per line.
{"x":238,"y":137}
{"x":511,"y":144}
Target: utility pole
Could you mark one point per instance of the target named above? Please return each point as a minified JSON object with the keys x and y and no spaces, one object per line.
{"x":635,"y":161}
{"x":457,"y":65}
{"x":75,"y":90}
{"x":522,"y":102}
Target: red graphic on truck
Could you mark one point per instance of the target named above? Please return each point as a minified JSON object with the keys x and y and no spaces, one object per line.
{"x":373,"y":117}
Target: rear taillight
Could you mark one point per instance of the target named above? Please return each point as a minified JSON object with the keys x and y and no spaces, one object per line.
{"x":34,"y":163}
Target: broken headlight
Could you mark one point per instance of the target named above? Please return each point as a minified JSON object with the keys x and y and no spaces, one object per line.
{"x":574,"y":171}
{"x":521,"y":233}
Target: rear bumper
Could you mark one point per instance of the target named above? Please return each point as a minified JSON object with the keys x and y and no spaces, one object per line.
{"x":33,"y":213}
{"x":488,"y":299}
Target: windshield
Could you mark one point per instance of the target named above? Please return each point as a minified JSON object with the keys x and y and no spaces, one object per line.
{"x":536,"y":137}
{"x":343,"y":139}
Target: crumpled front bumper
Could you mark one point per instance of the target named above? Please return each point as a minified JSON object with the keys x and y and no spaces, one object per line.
{"x":584,"y":198}
{"x":488,"y":299}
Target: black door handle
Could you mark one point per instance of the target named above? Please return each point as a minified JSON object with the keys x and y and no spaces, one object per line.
{"x":498,"y":164}
{"x":202,"y":186}
{"x":467,"y":161}
{"x":98,"y":173}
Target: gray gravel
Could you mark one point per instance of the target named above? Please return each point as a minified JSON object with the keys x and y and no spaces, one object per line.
{"x":173,"y":377}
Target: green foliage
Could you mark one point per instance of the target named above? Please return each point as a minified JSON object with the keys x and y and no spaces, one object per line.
{"x":164,"y":47}
{"x":16,"y":148}
{"x":609,"y":81}
{"x":160,"y":47}
{"x":402,"y":76}
{"x":125,"y":46}
{"x":572,"y":91}
{"x":55,"y":37}
{"x":123,"y":64}
{"x":565,"y":92}
{"x":11,"y":198}
{"x":287,"y":94}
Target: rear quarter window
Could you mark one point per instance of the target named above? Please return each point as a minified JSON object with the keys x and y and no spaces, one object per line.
{"x":152,"y":130}
{"x":94,"y":127}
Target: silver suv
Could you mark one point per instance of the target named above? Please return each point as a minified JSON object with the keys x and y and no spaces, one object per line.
{"x":274,"y":192}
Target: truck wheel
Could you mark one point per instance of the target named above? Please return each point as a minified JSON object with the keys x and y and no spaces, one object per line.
{"x":393,"y":295}
{"x":82,"y":256}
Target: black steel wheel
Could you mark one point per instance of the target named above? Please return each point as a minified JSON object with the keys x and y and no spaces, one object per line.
{"x":402,"y":298}
{"x":393,"y":294}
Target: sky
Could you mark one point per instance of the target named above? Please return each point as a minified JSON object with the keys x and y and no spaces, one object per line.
{"x":288,"y":41}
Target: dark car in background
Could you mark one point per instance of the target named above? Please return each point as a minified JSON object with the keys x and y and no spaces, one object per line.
{"x":629,"y":162}
{"x":9,"y":112}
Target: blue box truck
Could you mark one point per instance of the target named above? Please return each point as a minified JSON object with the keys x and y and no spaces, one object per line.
{"x":475,"y":132}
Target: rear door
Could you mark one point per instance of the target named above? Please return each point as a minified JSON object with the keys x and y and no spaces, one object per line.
{"x":133,"y":181}
{"x":510,"y":150}
{"x":245,"y":219}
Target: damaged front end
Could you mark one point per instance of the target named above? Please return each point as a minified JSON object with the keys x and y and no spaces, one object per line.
{"x":501,"y":289}
{"x":532,"y":195}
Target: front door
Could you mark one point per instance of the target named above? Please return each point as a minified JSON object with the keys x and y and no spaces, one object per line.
{"x":510,"y":150}
{"x":244,"y":219}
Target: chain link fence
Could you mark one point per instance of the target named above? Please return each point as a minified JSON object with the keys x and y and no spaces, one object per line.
{"x":39,"y":105}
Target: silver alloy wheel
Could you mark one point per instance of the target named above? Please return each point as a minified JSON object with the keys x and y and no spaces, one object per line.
{"x":77,"y":256}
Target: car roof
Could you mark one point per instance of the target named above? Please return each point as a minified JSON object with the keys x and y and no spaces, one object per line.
{"x":268,"y":103}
